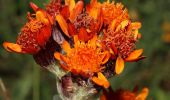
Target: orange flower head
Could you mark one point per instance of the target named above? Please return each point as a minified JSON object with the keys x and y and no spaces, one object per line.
{"x":121,"y":40}
{"x":84,"y":59}
{"x":112,"y":11}
{"x":124,"y":94}
{"x":34,"y":34}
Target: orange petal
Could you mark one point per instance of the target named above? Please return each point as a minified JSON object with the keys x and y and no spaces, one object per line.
{"x":76,"y":11}
{"x":65,"y":12}
{"x":64,"y":59}
{"x":105,"y":57}
{"x":136,"y":25}
{"x":139,"y":58}
{"x":76,"y":41}
{"x":11,"y":47}
{"x":94,"y":9}
{"x":70,"y":3}
{"x":97,"y":81}
{"x":139,"y":36}
{"x":40,"y":15}
{"x":134,"y":55}
{"x":57,"y":55}
{"x":143,"y":95}
{"x":113,"y":25}
{"x":119,"y":65}
{"x":136,"y":34}
{"x":83,"y":35}
{"x":124,"y":24}
{"x":61,"y":21}
{"x":71,"y":29}
{"x":34,"y":6}
{"x":92,"y":42}
{"x":94,"y":13}
{"x":103,"y":97}
{"x":93,"y":2}
{"x":103,"y":79}
{"x":66,"y":47}
{"x":114,"y":48}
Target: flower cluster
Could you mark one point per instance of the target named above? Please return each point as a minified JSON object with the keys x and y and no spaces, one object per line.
{"x":86,"y":40}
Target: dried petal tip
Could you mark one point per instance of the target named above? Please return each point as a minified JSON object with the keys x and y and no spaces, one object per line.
{"x":11,"y":47}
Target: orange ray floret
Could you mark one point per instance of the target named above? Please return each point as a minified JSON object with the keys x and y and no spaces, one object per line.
{"x":119,"y":65}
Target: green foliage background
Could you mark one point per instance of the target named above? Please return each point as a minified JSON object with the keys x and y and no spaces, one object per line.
{"x":24,"y":80}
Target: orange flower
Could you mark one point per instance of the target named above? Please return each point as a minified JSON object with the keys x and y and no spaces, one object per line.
{"x":121,"y":34}
{"x":84,"y":59}
{"x":121,"y":40}
{"x":124,"y":95}
{"x":33,"y":35}
{"x":74,"y":21}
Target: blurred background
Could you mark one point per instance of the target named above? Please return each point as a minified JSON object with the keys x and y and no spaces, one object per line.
{"x":22,"y":79}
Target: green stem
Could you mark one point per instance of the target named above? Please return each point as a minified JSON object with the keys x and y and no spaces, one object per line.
{"x":36,"y":82}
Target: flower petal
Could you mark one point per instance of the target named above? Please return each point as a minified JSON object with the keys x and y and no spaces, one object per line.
{"x":106,"y":83}
{"x":57,"y":55}
{"x":139,"y":58}
{"x":134,"y":55}
{"x":34,"y":6}
{"x":143,"y":94}
{"x":66,"y":47}
{"x":119,"y":65}
{"x":97,"y":81}
{"x":92,"y":42}
{"x":114,"y":49}
{"x":136,"y":25}
{"x":11,"y":47}
{"x":76,"y":11}
{"x":113,"y":25}
{"x":83,"y":35}
{"x":106,"y":56}
{"x":101,"y":80}
{"x":71,"y":29}
{"x":63,"y":25}
{"x":70,"y":3}
{"x":65,"y":12}
{"x":40,"y":16}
